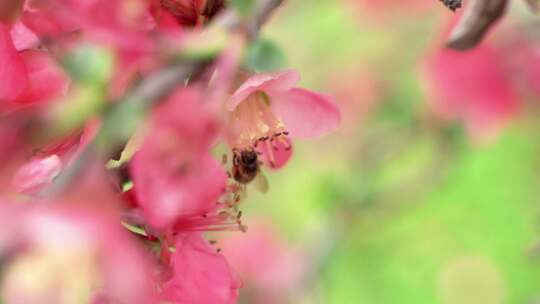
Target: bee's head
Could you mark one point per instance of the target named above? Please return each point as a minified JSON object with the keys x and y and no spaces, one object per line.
{"x":248,"y":157}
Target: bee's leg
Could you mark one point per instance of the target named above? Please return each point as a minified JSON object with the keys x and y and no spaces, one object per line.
{"x":282,"y":137}
{"x":273,"y":141}
{"x":270,"y":154}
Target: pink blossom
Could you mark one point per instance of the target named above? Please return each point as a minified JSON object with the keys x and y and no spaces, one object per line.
{"x":122,"y":24}
{"x":267,"y":109}
{"x":200,"y":274}
{"x":29,"y":75}
{"x":70,"y":254}
{"x":39,"y":172}
{"x":14,"y":77}
{"x":173,"y":174}
{"x":473,"y":87}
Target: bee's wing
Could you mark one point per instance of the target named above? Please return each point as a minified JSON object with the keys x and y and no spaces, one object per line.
{"x":260,"y":183}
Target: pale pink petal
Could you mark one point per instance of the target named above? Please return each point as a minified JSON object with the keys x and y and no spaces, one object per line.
{"x":473,"y":87}
{"x":271,"y":83}
{"x":37,"y":174}
{"x":46,"y":79}
{"x":23,"y":37}
{"x":13,"y":78}
{"x":173,"y":174}
{"x":307,"y":114}
{"x":201,"y":275}
{"x":275,"y":155}
{"x":73,"y":234}
{"x":168,"y":193}
{"x":44,"y":23}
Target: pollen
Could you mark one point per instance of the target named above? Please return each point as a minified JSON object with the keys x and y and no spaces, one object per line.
{"x":253,"y":121}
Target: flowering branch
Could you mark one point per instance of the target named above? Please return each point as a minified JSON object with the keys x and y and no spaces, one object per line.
{"x":150,"y":91}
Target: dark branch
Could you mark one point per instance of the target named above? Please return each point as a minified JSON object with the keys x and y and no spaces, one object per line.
{"x":476,"y":21}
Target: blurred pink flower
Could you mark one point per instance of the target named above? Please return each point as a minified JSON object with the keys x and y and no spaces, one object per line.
{"x":358,"y":89}
{"x":69,"y":254}
{"x":173,"y":173}
{"x":38,"y":172}
{"x":270,"y":268}
{"x":121,"y":24}
{"x":29,"y":75}
{"x":267,"y":108}
{"x":200,"y":274}
{"x":473,"y":87}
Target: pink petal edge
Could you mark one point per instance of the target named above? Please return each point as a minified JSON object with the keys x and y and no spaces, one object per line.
{"x":12,"y":70}
{"x":307,"y":114}
{"x":271,"y":83}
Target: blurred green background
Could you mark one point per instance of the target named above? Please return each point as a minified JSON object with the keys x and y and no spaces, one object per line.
{"x":394,"y":208}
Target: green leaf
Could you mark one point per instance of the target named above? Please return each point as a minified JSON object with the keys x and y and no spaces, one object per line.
{"x":89,"y":64}
{"x":264,"y":55}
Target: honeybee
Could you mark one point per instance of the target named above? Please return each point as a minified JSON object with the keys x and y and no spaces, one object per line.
{"x":246,"y":168}
{"x":452,"y":4}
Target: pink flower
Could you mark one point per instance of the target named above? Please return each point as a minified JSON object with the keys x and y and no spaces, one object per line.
{"x":473,"y":87}
{"x":200,"y":274}
{"x":28,"y":75}
{"x":37,"y":173}
{"x":42,"y":169}
{"x":267,"y":108}
{"x":174,"y":176}
{"x":122,"y":24}
{"x":76,"y":254}
{"x":270,"y":268}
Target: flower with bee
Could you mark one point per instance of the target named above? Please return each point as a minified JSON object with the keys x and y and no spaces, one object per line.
{"x":266,"y":111}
